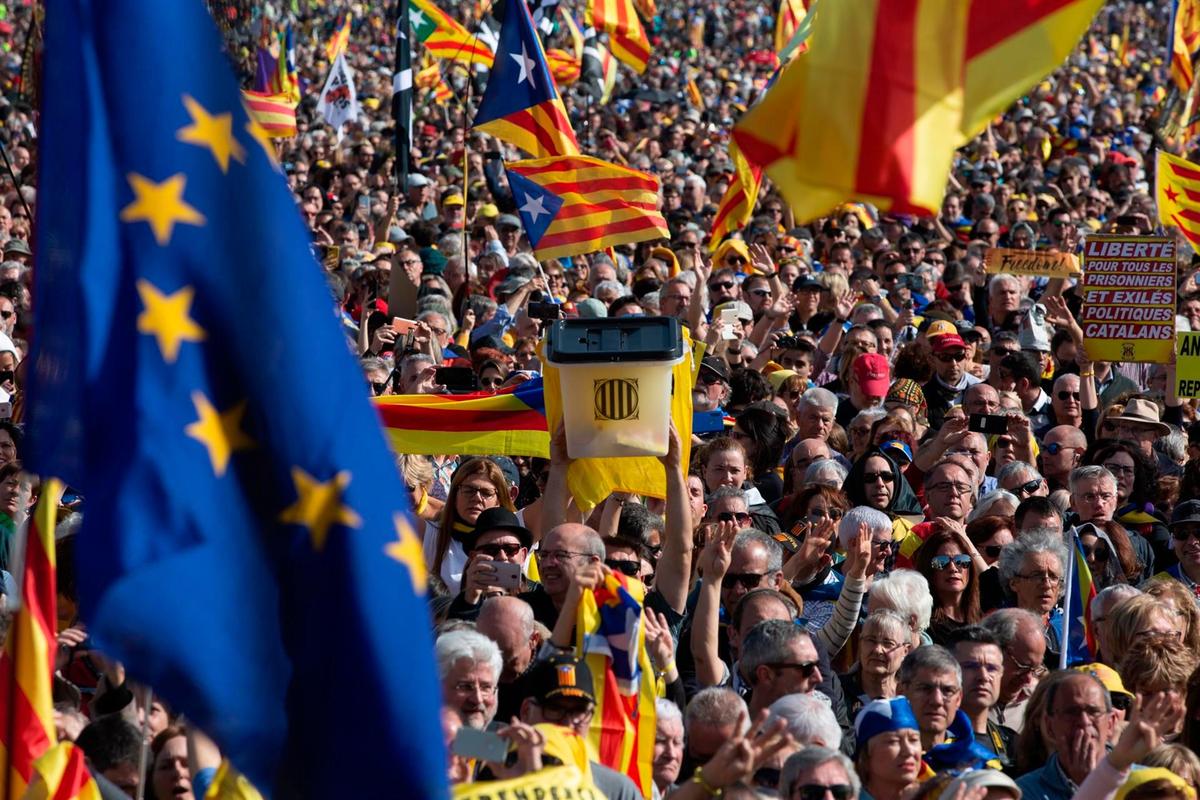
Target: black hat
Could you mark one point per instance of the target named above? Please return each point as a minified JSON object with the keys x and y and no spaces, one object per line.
{"x":1185,"y":512}
{"x":501,"y":519}
{"x":561,"y":675}
{"x":808,"y":283}
{"x":716,"y":366}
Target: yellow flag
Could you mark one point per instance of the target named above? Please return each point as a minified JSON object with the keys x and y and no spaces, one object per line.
{"x":591,"y":480}
{"x":1178,"y":188}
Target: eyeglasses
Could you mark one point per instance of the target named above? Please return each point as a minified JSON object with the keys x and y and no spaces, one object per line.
{"x":911,"y":250}
{"x":805,"y":668}
{"x":720,"y":285}
{"x":748,"y":580}
{"x":1041,"y":577}
{"x":893,"y":276}
{"x":816,"y":515}
{"x":741,"y":517}
{"x":379,"y":388}
{"x":817,"y":791}
{"x":1054,"y":448}
{"x":1092,"y":497}
{"x":1065,"y":395}
{"x":891,"y":545}
{"x":624,"y":566}
{"x":1028,"y":488}
{"x":755,"y":292}
{"x":992,"y":550}
{"x":953,"y":488}
{"x":961,"y":561}
{"x":482,"y":492}
{"x":886,"y":645}
{"x":551,"y":556}
{"x":885,"y":476}
{"x":946,"y":358}
{"x":1119,"y":469}
{"x":737,"y":261}
{"x":494,"y":549}
{"x":470,"y":687}
{"x":1024,"y":668}
{"x":555,"y":712}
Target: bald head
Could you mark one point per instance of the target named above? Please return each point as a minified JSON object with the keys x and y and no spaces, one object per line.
{"x":1067,"y":435}
{"x":981,"y":398}
{"x":508,"y":622}
{"x":807,"y":451}
{"x":564,"y":549}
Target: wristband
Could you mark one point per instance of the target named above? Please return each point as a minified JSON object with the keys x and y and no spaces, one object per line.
{"x":1091,"y":373}
{"x":698,"y":779}
{"x":667,"y":669}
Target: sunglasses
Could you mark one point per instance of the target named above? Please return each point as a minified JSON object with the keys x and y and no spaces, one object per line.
{"x":805,"y":668}
{"x":738,"y":260}
{"x":948,"y":357}
{"x":1065,"y":395}
{"x":623,"y":566}
{"x":1029,"y":488}
{"x":992,"y":550}
{"x":1183,"y":534}
{"x":748,"y":580}
{"x":939,"y":563}
{"x":720,"y":285}
{"x":871,"y":477}
{"x":494,"y":549}
{"x":1096,"y":552}
{"x":1054,"y":448}
{"x":740,"y":517}
{"x":379,"y":388}
{"x":817,"y":791}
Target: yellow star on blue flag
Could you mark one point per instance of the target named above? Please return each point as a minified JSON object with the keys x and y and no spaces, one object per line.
{"x":248,"y":542}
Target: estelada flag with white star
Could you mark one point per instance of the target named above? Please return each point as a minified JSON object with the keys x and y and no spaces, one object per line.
{"x":339,"y":99}
{"x":571,"y":205}
{"x":521,"y":104}
{"x":1177,"y":184}
{"x":248,"y":556}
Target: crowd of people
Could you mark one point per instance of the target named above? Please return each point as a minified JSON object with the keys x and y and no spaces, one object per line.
{"x":855,"y":587}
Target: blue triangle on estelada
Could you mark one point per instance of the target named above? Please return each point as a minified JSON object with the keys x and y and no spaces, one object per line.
{"x":536,"y":206}
{"x":519,"y":78}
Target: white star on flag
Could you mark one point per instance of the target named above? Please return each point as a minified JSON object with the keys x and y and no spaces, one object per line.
{"x":526,"y":64}
{"x":416,"y":17}
{"x":534,"y":207}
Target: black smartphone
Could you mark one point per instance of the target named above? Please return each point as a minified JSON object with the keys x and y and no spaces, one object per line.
{"x":544,"y":310}
{"x":457,"y":380}
{"x":990,"y":424}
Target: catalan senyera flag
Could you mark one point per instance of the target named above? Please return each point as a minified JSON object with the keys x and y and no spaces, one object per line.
{"x":737,"y":204}
{"x":274,"y":113}
{"x":1185,"y":42}
{"x":27,"y":661}
{"x":590,"y":480}
{"x":338,"y":42}
{"x":1177,"y":186}
{"x":521,"y":104}
{"x":791,"y":14}
{"x":430,"y":79}
{"x":563,"y":66}
{"x":888,"y":90}
{"x":570,"y":205}
{"x":511,"y":421}
{"x":611,"y":638}
{"x":61,"y":773}
{"x":444,"y":37}
{"x":1077,"y":644}
{"x":626,"y":37}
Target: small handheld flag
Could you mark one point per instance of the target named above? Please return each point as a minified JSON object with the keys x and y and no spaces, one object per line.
{"x":1078,"y":645}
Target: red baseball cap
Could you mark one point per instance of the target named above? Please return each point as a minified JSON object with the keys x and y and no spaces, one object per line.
{"x":947,"y":341}
{"x":873,"y":374}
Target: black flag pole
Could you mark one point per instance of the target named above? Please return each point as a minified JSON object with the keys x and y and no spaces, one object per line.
{"x":402,"y":94}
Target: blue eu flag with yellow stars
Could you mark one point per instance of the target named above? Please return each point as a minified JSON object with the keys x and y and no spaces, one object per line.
{"x":246,"y":548}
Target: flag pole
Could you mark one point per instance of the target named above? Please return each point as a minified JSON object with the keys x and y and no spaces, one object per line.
{"x":466,"y":170}
{"x":1063,"y":644}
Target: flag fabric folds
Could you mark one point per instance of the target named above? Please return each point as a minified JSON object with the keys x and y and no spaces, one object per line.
{"x":737,"y":204}
{"x":445,"y":37}
{"x":521,"y":104}
{"x":61,"y":773}
{"x":511,"y":421}
{"x":339,"y":98}
{"x":1077,"y":643}
{"x":578,"y":204}
{"x":274,"y":113}
{"x":252,"y":560}
{"x":597,"y":68}
{"x":1185,"y":43}
{"x":340,"y":40}
{"x":27,"y":661}
{"x":1177,"y":185}
{"x":791,"y":13}
{"x":626,"y":36}
{"x":611,"y":638}
{"x":888,"y":90}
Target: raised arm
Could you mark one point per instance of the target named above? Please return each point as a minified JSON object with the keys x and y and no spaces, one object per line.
{"x":674,"y":570}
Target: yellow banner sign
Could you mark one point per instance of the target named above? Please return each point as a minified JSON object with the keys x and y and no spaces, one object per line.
{"x":1187,"y":365}
{"x":563,"y":783}
{"x":1030,"y":262}
{"x":1129,"y":298}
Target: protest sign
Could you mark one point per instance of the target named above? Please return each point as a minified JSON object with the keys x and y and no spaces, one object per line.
{"x":1031,"y":262}
{"x":1187,"y":365}
{"x":564,"y":783}
{"x":1129,"y":298}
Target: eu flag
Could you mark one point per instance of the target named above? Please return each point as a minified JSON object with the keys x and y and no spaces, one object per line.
{"x":246,"y":549}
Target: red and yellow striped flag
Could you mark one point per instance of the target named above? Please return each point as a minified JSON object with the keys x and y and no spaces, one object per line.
{"x":62,"y":774}
{"x":1185,"y":42}
{"x":563,"y":66}
{"x":448,"y":39}
{"x":27,"y":662}
{"x":274,"y":113}
{"x":889,"y":89}
{"x":626,"y":37}
{"x":611,"y":638}
{"x":737,"y":204}
{"x":430,"y":78}
{"x":791,"y":14}
{"x":571,"y":205}
{"x":338,"y":42}
{"x":1177,"y":184}
{"x":694,"y":95}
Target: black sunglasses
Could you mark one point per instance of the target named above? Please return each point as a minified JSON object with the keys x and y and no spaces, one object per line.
{"x":748,"y":580}
{"x":740,"y":517}
{"x":1065,"y":395}
{"x":805,"y":668}
{"x":494,"y":549}
{"x":992,"y":550}
{"x":1029,"y":487}
{"x":623,"y":566}
{"x":816,"y":791}
{"x":379,"y":387}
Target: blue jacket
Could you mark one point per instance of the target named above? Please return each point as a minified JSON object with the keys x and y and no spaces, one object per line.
{"x":1047,"y":783}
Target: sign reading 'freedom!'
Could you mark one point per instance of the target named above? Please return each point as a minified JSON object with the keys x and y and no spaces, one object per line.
{"x":1129,"y":298}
